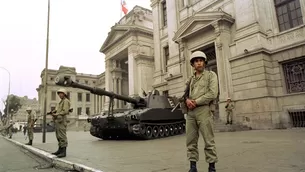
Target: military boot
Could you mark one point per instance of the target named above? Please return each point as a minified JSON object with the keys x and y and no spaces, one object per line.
{"x":212,"y":167}
{"x":29,"y":143}
{"x":193,"y":167}
{"x":62,"y":153}
{"x":57,"y":152}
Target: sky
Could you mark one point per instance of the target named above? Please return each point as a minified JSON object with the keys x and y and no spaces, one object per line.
{"x":78,"y":29}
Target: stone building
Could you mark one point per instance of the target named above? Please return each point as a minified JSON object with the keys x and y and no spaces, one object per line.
{"x":21,"y":114}
{"x":256,"y":47}
{"x":82,"y":101}
{"x":129,"y":58}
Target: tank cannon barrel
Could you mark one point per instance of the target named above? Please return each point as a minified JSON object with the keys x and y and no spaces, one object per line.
{"x":67,"y":82}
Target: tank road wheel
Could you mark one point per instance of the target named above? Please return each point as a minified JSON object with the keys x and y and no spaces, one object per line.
{"x":180,"y":128}
{"x":148,"y":132}
{"x":172,"y":130}
{"x":166,"y":131}
{"x":161,"y":131}
{"x":176,"y":129}
{"x":155,"y":131}
{"x":142,"y":130}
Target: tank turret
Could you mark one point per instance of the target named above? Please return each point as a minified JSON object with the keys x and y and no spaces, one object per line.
{"x":152,"y":116}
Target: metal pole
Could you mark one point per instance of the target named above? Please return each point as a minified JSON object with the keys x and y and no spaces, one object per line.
{"x":9,"y":90}
{"x":45,"y":79}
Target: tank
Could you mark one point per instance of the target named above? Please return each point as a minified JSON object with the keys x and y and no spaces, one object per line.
{"x":149,"y":117}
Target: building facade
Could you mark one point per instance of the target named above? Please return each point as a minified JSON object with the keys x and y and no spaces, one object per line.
{"x":83,"y":102}
{"x":21,"y":115}
{"x":129,"y":55}
{"x":256,"y":47}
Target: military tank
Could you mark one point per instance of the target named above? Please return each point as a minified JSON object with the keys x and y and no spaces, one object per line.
{"x":149,"y":117}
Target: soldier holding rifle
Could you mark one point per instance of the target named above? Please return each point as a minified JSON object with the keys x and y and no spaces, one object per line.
{"x":201,"y":91}
{"x":30,"y":125}
{"x":60,"y":121}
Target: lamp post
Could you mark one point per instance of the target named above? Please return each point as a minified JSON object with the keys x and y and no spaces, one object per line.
{"x":9,"y":89}
{"x":46,"y":78}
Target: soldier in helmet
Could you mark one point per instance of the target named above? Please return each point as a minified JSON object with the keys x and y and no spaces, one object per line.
{"x":10,"y":129}
{"x":60,"y":121}
{"x":203,"y":90}
{"x":30,"y":125}
{"x":229,"y":109}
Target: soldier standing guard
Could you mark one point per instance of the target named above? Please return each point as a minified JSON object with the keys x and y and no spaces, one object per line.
{"x":30,"y":125}
{"x":10,"y":129}
{"x":60,"y":121}
{"x":203,"y":90}
{"x":229,"y":108}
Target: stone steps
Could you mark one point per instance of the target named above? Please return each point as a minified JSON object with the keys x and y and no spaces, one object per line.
{"x":220,"y":126}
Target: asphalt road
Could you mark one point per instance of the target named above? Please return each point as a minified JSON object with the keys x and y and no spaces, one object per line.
{"x":16,"y":159}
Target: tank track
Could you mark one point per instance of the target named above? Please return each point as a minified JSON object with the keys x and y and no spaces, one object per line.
{"x":143,"y":131}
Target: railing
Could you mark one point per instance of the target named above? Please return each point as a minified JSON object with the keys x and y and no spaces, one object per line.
{"x":297,"y":117}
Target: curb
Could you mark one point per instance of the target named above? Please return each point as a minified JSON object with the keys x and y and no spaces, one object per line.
{"x":57,"y":162}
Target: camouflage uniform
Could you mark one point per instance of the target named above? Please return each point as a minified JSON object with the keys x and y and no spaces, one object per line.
{"x":60,"y":121}
{"x":203,"y":89}
{"x":30,"y":126}
{"x":229,"y":110}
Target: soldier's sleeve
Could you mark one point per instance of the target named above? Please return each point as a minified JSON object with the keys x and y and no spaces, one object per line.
{"x":211,"y":93}
{"x":65,"y":109}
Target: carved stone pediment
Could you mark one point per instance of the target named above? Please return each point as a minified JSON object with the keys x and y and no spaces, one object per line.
{"x":115,"y":34}
{"x":201,"y":21}
{"x":66,"y":70}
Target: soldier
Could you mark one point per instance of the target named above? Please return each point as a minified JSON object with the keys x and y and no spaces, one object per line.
{"x":10,"y":129}
{"x":229,"y":109}
{"x":30,"y":125}
{"x":60,"y":122}
{"x":203,"y":90}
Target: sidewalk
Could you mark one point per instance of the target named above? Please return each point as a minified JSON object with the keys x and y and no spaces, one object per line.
{"x":251,"y":151}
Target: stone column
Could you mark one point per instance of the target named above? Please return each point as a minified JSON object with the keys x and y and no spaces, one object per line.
{"x":108,"y":81}
{"x":132,"y":70}
{"x":145,"y":68}
{"x":222,"y":42}
{"x":155,"y":4}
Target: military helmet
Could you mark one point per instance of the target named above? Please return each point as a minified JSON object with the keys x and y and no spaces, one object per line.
{"x":198,"y":54}
{"x":28,"y":109}
{"x":62,"y":90}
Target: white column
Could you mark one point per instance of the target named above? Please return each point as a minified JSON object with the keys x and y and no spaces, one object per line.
{"x":132,"y":78}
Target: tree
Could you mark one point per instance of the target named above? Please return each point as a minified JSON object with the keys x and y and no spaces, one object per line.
{"x":13,"y":102}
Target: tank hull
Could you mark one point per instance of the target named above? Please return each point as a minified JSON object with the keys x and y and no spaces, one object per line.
{"x":149,"y":123}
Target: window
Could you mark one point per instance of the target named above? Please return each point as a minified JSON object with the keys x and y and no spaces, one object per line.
{"x":79,"y":97}
{"x":164,"y":17}
{"x":289,"y":14}
{"x":165,"y":92}
{"x":294,"y":73}
{"x":79,"y":111}
{"x":166,"y":56}
{"x":88,"y":97}
{"x":87,"y":110}
{"x":53,"y":97}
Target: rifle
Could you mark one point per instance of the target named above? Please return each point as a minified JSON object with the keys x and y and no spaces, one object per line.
{"x":183,"y":98}
{"x":51,"y":113}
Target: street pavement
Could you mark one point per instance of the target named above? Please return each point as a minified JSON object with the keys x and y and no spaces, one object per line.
{"x":245,"y":151}
{"x":15,"y":159}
